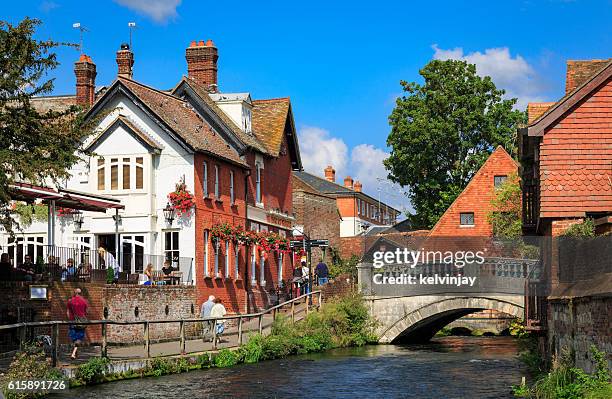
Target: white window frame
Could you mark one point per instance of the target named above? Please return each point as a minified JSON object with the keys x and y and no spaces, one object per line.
{"x":217,"y":182}
{"x":236,"y":259}
{"x":262,"y":270}
{"x":232,"y":196}
{"x":280,"y":267}
{"x":258,"y":196}
{"x":253,"y":263}
{"x":206,"y":236}
{"x":120,"y":163}
{"x":205,"y":179}
{"x":227,"y":259}
{"x":216,"y":249}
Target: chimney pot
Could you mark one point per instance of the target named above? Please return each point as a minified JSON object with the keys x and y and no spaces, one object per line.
{"x":125,"y":61}
{"x":348,"y":182}
{"x":330,"y":174}
{"x":85,"y":72}
{"x":193,"y":43}
{"x":357,"y":186}
{"x":201,"y":43}
{"x":202,"y":64}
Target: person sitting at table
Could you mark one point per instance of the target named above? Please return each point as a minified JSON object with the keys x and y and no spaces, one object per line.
{"x":26,"y":269}
{"x":6,"y":269}
{"x":167,"y":269}
{"x":149,"y":273}
{"x":69,"y":271}
{"x":84,"y":271}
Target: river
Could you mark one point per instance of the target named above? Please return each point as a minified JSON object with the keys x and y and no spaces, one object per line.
{"x":451,"y":367}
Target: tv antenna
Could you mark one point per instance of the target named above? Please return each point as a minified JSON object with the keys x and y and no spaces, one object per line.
{"x":82,"y":29}
{"x":131,"y":27}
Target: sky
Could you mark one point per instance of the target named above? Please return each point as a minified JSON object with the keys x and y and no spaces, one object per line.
{"x":340,"y":61}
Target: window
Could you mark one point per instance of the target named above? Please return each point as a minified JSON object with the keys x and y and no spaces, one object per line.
{"x":499,"y":180}
{"x":114,"y":173}
{"x":236,"y":257}
{"x":262,"y":270}
{"x":101,"y":174}
{"x":227,"y":258}
{"x":280,"y":267}
{"x":466,"y":218}
{"x":232,"y":198}
{"x":171,"y":246}
{"x":216,"y":243}
{"x":216,"y":181}
{"x":139,"y":173}
{"x":253,"y":261}
{"x":205,"y":253}
{"x":126,"y":173}
{"x":363,"y":207}
{"x":358,"y":206}
{"x":258,"y":184}
{"x":205,"y":179}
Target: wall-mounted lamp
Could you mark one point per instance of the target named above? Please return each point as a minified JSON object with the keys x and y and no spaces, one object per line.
{"x":169,"y":214}
{"x":77,"y":218}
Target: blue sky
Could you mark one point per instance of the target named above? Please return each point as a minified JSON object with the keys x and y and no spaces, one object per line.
{"x":340,"y":62}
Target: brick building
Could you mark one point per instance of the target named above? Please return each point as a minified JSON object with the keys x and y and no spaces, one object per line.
{"x":566,"y":157}
{"x":467,"y":215}
{"x":234,"y":154}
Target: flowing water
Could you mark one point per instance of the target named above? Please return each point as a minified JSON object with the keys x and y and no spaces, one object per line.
{"x":452,"y":367}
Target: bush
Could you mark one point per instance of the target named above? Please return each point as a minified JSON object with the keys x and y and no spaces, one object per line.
{"x":93,"y":370}
{"x":586,"y":229}
{"x":226,"y":358}
{"x":160,"y":366}
{"x":29,"y":364}
{"x":252,"y":351}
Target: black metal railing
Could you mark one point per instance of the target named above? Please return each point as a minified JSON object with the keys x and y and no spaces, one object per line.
{"x":531,"y":206}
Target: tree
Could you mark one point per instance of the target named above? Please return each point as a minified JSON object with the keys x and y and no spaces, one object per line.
{"x":442,"y":131}
{"x":505,"y":215}
{"x":34,"y":147}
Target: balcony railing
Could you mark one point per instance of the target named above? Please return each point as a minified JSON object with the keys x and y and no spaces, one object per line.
{"x":55,"y":263}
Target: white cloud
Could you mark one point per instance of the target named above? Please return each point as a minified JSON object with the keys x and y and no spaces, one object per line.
{"x":319,"y":148}
{"x":158,"y":10}
{"x":513,"y":74}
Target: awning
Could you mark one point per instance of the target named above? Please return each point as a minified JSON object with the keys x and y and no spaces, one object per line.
{"x":63,"y":198}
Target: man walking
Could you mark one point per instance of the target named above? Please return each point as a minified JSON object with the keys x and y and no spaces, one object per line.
{"x":207,"y":326}
{"x":76,"y":310}
{"x":322,"y":273}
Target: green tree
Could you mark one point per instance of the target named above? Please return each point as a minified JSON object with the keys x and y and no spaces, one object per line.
{"x":442,"y":131}
{"x":35,"y":146}
{"x":505,"y":214}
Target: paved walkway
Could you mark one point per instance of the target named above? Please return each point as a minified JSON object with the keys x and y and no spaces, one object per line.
{"x":229,"y":339}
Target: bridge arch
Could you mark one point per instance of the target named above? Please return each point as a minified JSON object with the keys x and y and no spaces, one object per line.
{"x":405,"y":321}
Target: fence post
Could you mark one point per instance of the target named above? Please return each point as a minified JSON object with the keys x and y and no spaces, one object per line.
{"x":240,"y":331}
{"x":215,"y":334}
{"x":55,"y":348}
{"x":147,"y":340}
{"x":292,"y":311}
{"x":23,"y":332}
{"x":307,"y":302}
{"x":182,"y":330}
{"x":320,"y":299}
{"x":260,"y":323}
{"x":104,"y":342}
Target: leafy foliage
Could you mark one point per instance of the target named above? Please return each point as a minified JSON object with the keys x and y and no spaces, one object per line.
{"x":505,"y":216}
{"x":586,"y":229}
{"x":341,"y":266}
{"x":34,"y":146}
{"x":29,"y":364}
{"x":226,"y":358}
{"x":30,"y":213}
{"x":93,"y":370}
{"x":442,"y":131}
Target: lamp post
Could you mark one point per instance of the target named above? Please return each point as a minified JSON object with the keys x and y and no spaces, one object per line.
{"x":169,"y":214}
{"x":77,"y":218}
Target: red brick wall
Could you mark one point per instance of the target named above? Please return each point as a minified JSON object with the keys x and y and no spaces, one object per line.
{"x":576,"y":159}
{"x":350,"y":246}
{"x":476,"y":198}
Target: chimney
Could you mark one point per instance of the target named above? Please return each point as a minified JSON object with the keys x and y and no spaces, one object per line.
{"x":125,"y":61}
{"x":579,"y":72}
{"x":330,"y":174}
{"x":348,"y":182}
{"x":202,"y":63}
{"x":357,"y":186}
{"x":85,"y":71}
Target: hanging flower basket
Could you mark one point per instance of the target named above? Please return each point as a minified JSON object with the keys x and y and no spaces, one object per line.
{"x":181,"y":200}
{"x":222,"y":232}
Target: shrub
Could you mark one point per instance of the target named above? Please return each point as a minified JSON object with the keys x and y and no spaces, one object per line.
{"x":29,"y":364}
{"x":93,"y":370}
{"x":160,"y":366}
{"x":252,"y":351}
{"x":586,"y":229}
{"x":226,"y":358}
{"x":203,"y":361}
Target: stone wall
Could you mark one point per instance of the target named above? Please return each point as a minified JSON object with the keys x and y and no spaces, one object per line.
{"x":577,"y":324}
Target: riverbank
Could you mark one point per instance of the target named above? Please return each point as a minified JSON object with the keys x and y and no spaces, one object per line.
{"x":451,"y":367}
{"x":342,"y":322}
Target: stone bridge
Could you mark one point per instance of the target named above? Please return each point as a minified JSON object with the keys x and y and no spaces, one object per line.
{"x":415,"y":312}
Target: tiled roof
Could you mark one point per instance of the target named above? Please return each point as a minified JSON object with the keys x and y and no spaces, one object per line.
{"x":535,"y":110}
{"x":183,"y":120}
{"x":55,"y":103}
{"x":320,"y":184}
{"x":248,"y":139}
{"x":269,"y":119}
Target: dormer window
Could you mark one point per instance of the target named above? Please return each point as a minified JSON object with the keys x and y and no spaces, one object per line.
{"x":246,"y":119}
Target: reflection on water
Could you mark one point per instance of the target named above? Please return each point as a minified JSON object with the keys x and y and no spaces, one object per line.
{"x":451,"y":367}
